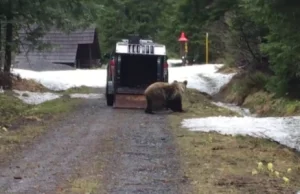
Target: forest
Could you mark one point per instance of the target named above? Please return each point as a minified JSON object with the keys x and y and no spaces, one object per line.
{"x":259,"y":36}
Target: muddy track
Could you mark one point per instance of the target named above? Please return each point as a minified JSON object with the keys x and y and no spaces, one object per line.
{"x":136,"y":150}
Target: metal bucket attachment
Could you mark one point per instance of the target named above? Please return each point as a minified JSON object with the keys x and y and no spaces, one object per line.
{"x":130,"y":101}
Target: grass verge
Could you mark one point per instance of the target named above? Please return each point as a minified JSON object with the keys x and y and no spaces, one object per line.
{"x":226,"y":70}
{"x":20,"y":122}
{"x":80,"y":90}
{"x":248,"y":91}
{"x":217,"y":163}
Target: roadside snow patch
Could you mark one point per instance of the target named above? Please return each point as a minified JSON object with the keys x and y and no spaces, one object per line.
{"x":235,"y":108}
{"x":36,"y":97}
{"x":88,"y":96}
{"x":172,"y":62}
{"x":201,"y":77}
{"x":285,"y":130}
{"x":63,"y":80}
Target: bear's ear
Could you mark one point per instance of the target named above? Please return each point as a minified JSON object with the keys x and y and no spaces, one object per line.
{"x":185,"y":82}
{"x":175,"y":81}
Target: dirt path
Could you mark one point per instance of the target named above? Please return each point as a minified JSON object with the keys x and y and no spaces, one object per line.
{"x":98,"y":150}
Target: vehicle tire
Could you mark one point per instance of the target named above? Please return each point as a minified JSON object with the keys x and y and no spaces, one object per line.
{"x":109,"y":99}
{"x":167,"y":78}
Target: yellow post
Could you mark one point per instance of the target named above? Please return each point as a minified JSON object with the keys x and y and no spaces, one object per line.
{"x":206,"y":52}
{"x":186,"y":48}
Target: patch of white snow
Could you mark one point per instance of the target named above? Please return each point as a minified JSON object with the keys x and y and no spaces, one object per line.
{"x":201,"y":77}
{"x":88,"y":96}
{"x":285,"y":130}
{"x":235,"y":108}
{"x":172,"y":62}
{"x":63,"y":80}
{"x":36,"y":97}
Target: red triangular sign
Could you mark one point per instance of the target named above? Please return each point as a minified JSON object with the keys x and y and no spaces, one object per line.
{"x":182,"y":37}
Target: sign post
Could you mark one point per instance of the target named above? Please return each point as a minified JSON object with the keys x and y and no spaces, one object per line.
{"x":206,"y":48}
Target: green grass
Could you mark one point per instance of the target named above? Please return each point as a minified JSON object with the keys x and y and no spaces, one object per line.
{"x":216,"y":163}
{"x":20,"y":122}
{"x":265,"y":104}
{"x":249,"y":91}
{"x":197,"y":105}
{"x":80,"y":90}
{"x":60,"y":105}
{"x":13,"y":108}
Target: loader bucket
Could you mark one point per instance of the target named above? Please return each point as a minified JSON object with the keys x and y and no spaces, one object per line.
{"x":130,"y":101}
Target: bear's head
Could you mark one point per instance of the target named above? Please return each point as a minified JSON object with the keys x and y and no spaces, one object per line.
{"x":180,"y":86}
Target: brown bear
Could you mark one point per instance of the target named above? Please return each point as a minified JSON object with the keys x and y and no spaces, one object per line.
{"x":166,"y":95}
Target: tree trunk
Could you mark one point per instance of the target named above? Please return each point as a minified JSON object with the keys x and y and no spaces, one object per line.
{"x":1,"y":55}
{"x":9,"y":36}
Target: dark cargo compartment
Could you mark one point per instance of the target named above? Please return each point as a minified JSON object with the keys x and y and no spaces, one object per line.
{"x":137,"y":71}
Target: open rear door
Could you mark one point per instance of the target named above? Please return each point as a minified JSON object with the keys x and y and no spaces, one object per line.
{"x":132,"y":101}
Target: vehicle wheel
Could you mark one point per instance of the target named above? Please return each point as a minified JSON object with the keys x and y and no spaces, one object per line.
{"x":109,"y":99}
{"x":167,"y":78}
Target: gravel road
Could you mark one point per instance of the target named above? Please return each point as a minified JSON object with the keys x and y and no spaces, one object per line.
{"x":136,"y":150}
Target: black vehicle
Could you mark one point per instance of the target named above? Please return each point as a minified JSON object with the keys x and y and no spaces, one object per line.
{"x":134,"y":65}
